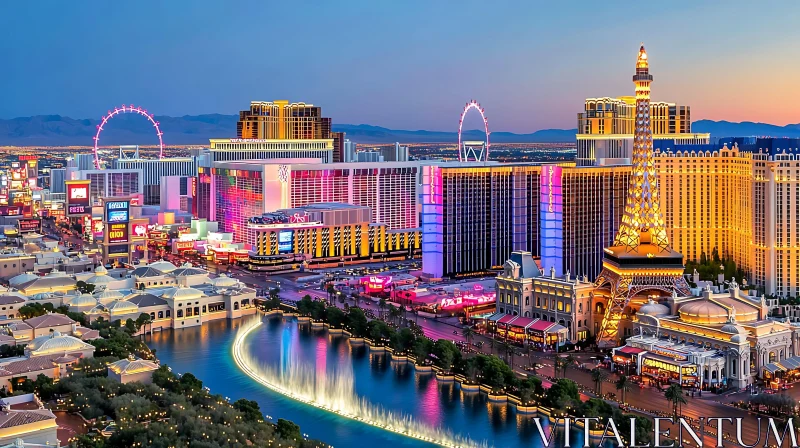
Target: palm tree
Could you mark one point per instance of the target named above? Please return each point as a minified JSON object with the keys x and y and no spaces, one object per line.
{"x":468,"y":333}
{"x":674,"y":394}
{"x":624,"y":385}
{"x":382,"y":305}
{"x":563,"y":364}
{"x":510,"y":353}
{"x":598,"y":376}
{"x":557,"y":362}
{"x":394,"y":313}
{"x":356,"y":298}
{"x":501,"y":349}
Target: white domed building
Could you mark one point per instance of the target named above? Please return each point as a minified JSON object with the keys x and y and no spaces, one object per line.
{"x":22,"y":278}
{"x":81,"y":303}
{"x":122,"y":309}
{"x":225,"y":282}
{"x":96,"y":312}
{"x":57,"y":343}
{"x":107,"y":296}
{"x":188,"y":275}
{"x":716,"y":340}
{"x":132,"y":370}
{"x":163,"y":266}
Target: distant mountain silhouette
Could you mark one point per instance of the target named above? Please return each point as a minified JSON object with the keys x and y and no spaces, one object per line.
{"x":745,"y":129}
{"x":364,"y":133}
{"x":55,"y":130}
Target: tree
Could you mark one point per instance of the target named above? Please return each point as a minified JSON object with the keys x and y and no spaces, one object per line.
{"x":623,"y":385}
{"x":403,"y":340}
{"x":382,"y":306}
{"x":598,"y":376}
{"x":250,"y":409}
{"x":318,"y":310}
{"x":84,"y":288}
{"x":142,"y":321}
{"x":305,"y":305}
{"x":331,"y":291}
{"x":356,"y":298}
{"x":468,"y":334}
{"x":288,"y":430}
{"x":334,"y":316}
{"x":562,"y":394}
{"x":568,"y":361}
{"x":674,"y":395}
{"x":643,"y":429}
{"x":394,"y":314}
{"x":423,"y":347}
{"x":446,"y":353}
{"x":357,"y":322}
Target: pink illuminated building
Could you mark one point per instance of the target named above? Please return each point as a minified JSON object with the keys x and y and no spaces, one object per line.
{"x":254,"y":187}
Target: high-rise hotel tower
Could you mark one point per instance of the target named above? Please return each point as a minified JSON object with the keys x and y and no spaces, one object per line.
{"x":641,"y":259}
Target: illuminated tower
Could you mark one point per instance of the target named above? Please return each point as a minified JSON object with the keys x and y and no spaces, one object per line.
{"x":641,"y":259}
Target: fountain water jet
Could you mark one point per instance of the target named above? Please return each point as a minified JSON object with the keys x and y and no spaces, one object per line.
{"x":335,"y":393}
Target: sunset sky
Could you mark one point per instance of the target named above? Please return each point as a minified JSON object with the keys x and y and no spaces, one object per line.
{"x":399,"y":64}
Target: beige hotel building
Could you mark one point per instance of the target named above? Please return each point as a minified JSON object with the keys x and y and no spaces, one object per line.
{"x":744,"y":203}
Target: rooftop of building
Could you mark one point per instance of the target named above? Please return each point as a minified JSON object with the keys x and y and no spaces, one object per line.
{"x":310,"y":164}
{"x":49,"y":320}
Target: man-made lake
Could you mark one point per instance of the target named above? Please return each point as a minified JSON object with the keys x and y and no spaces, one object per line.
{"x":206,"y":352}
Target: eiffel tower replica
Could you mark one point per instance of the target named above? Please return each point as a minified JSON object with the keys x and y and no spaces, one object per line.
{"x":641,"y":258}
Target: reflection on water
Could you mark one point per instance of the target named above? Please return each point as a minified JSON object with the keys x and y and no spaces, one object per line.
{"x":206,"y":352}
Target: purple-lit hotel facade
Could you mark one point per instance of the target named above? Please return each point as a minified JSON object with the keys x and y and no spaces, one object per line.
{"x":475,"y":214}
{"x":238,"y":191}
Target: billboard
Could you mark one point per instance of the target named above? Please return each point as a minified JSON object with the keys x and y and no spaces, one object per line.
{"x":181,"y":246}
{"x":376,"y":283}
{"x":118,"y":211}
{"x":193,"y":194}
{"x":286,"y":241}
{"x":118,"y":250}
{"x":139,"y":229}
{"x":78,"y":202}
{"x":97,"y":228}
{"x":29,"y":225}
{"x":117,"y":233}
{"x":551,"y":219}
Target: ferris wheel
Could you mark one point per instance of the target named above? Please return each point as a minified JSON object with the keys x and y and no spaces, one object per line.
{"x":125,"y":109}
{"x":473,"y":150}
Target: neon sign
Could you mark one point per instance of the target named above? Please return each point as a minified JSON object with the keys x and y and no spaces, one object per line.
{"x":467,"y":300}
{"x":374,"y":283}
{"x":139,"y":230}
{"x":550,"y":189}
{"x":298,"y":218}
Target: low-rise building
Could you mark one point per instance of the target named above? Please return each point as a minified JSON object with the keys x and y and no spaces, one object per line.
{"x":726,"y":338}
{"x":24,"y":417}
{"x":326,"y":233}
{"x":523,"y":290}
{"x":131,"y":370}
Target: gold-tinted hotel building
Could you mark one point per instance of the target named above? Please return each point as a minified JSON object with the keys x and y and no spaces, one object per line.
{"x":743,"y":201}
{"x":605,"y":128}
{"x":282,"y":120}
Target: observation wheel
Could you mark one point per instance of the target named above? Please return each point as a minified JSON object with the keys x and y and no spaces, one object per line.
{"x":472,"y":150}
{"x":126,"y":109}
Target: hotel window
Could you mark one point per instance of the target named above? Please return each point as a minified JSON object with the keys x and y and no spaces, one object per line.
{"x":560,"y":306}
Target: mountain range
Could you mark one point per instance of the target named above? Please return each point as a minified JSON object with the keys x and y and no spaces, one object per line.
{"x":55,"y":130}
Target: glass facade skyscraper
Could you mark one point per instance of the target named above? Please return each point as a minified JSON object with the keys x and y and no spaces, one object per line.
{"x":474,"y":215}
